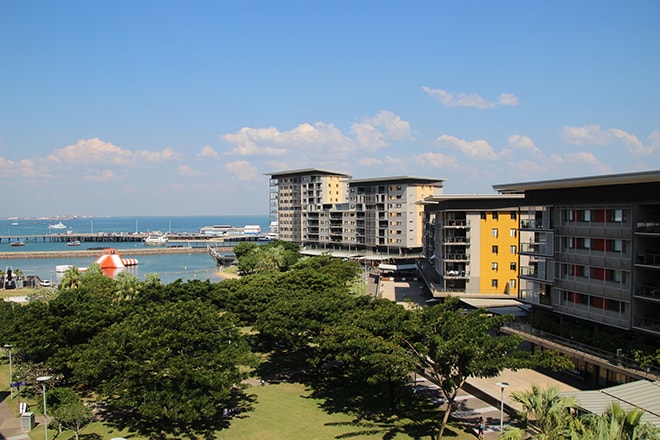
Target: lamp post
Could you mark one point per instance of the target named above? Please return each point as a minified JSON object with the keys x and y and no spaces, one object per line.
{"x":11,"y":390}
{"x":502,"y":385}
{"x":43,"y":380}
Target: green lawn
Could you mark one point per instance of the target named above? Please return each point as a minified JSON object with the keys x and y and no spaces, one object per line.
{"x":280,"y":412}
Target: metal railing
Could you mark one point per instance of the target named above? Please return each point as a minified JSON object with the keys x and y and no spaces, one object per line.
{"x":607,"y":356}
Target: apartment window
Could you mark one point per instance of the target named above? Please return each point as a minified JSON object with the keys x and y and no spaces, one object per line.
{"x":512,"y":284}
{"x":493,"y":283}
{"x":513,"y":216}
{"x":513,"y":249}
{"x":512,"y":232}
{"x":483,"y":215}
{"x":617,"y":245}
{"x":586,"y":215}
{"x":495,"y":249}
{"x":495,"y":215}
{"x":512,"y":266}
{"x":493,"y":266}
{"x":494,"y":232}
{"x":617,"y":215}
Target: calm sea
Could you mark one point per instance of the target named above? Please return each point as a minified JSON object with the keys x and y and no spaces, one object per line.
{"x":170,"y":267}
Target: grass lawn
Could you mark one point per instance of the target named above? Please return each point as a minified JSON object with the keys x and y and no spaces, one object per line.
{"x":285,"y":411}
{"x":280,"y":412}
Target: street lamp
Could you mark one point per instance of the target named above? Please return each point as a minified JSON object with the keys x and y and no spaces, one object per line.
{"x":11,"y":390}
{"x":502,"y":385}
{"x":43,"y":380}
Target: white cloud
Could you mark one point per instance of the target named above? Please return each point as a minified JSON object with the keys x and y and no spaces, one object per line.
{"x":520,"y":144}
{"x":436,"y":160}
{"x":377,"y":132}
{"x":508,"y":99}
{"x":186,"y":170}
{"x":595,"y":135}
{"x":243,"y":170}
{"x":208,"y":153}
{"x":473,"y":100}
{"x":105,"y":175}
{"x":272,"y":142}
{"x":586,"y":135}
{"x":96,"y":151}
{"x":479,"y":149}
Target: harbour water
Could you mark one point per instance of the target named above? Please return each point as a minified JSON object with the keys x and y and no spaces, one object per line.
{"x":185,"y":266}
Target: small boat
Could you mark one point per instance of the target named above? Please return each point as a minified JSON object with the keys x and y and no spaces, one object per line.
{"x":59,"y":225}
{"x":73,"y":243}
{"x":17,"y":243}
{"x":155,"y":240}
{"x":14,"y":223}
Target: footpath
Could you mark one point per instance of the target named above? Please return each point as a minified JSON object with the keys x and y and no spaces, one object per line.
{"x":10,"y":425}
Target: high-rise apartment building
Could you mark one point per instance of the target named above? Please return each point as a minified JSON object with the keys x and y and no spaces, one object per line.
{"x":330,"y":212}
{"x":471,"y":245}
{"x":593,"y":248}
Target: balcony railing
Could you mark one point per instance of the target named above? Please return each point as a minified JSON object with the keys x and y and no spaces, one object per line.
{"x":651,"y":292}
{"x":648,"y":227}
{"x":531,"y":224}
{"x":455,"y":240}
{"x":456,"y":257}
{"x":529,"y":271}
{"x":648,"y":259}
{"x":455,"y":223}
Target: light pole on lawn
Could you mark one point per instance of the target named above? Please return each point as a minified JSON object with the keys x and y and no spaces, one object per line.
{"x":502,"y":385}
{"x":43,"y":380}
{"x":11,"y":390}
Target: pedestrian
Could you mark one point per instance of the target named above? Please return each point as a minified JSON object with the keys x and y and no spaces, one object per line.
{"x":481,"y":428}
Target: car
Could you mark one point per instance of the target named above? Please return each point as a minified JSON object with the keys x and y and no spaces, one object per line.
{"x":44,"y":283}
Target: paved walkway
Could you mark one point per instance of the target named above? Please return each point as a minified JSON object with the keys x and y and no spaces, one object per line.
{"x":10,"y":425}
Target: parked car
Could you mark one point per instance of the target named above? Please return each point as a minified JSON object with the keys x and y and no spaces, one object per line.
{"x":44,"y":283}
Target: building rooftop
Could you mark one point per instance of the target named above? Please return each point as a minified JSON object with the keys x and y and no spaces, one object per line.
{"x":577,"y":182}
{"x":642,"y":394}
{"x":393,"y":179}
{"x":445,"y":197}
{"x":306,"y":171}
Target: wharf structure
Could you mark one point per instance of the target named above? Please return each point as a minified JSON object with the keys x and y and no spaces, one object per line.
{"x":329,"y":212}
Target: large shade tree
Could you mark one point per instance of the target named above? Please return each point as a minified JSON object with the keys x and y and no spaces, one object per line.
{"x":451,"y":345}
{"x":172,"y":364}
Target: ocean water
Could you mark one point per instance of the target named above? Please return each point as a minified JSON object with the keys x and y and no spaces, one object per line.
{"x":186,"y":266}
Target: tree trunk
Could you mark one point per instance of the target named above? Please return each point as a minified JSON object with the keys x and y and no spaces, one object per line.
{"x":445,"y":418}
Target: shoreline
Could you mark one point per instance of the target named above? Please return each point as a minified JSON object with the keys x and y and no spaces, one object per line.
{"x":98,"y":252}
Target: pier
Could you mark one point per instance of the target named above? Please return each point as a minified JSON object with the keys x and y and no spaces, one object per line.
{"x":128,"y":237}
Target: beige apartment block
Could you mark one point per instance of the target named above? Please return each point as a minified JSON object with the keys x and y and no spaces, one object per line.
{"x":330,"y":212}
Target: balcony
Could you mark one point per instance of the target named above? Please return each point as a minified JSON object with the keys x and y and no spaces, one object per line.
{"x":535,"y":248}
{"x":456,"y":223}
{"x":647,"y":228}
{"x":456,"y":257}
{"x":455,"y":240}
{"x":650,"y":323}
{"x":456,"y":274}
{"x":649,"y":292}
{"x":531,"y":224}
{"x":529,"y":272}
{"x":648,"y":260}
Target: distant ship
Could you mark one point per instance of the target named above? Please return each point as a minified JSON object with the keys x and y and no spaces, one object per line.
{"x":228,"y":230}
{"x":59,"y":225}
{"x":73,"y":243}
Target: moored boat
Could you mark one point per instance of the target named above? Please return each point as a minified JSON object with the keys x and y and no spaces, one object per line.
{"x":17,"y":243}
{"x":73,"y":243}
{"x":155,"y":240}
{"x":59,"y":225}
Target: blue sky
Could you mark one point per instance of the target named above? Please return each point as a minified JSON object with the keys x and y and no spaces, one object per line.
{"x":181,"y":107}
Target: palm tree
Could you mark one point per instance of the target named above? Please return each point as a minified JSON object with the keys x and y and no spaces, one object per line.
{"x":545,"y":413}
{"x":617,"y":424}
{"x":71,"y":278}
